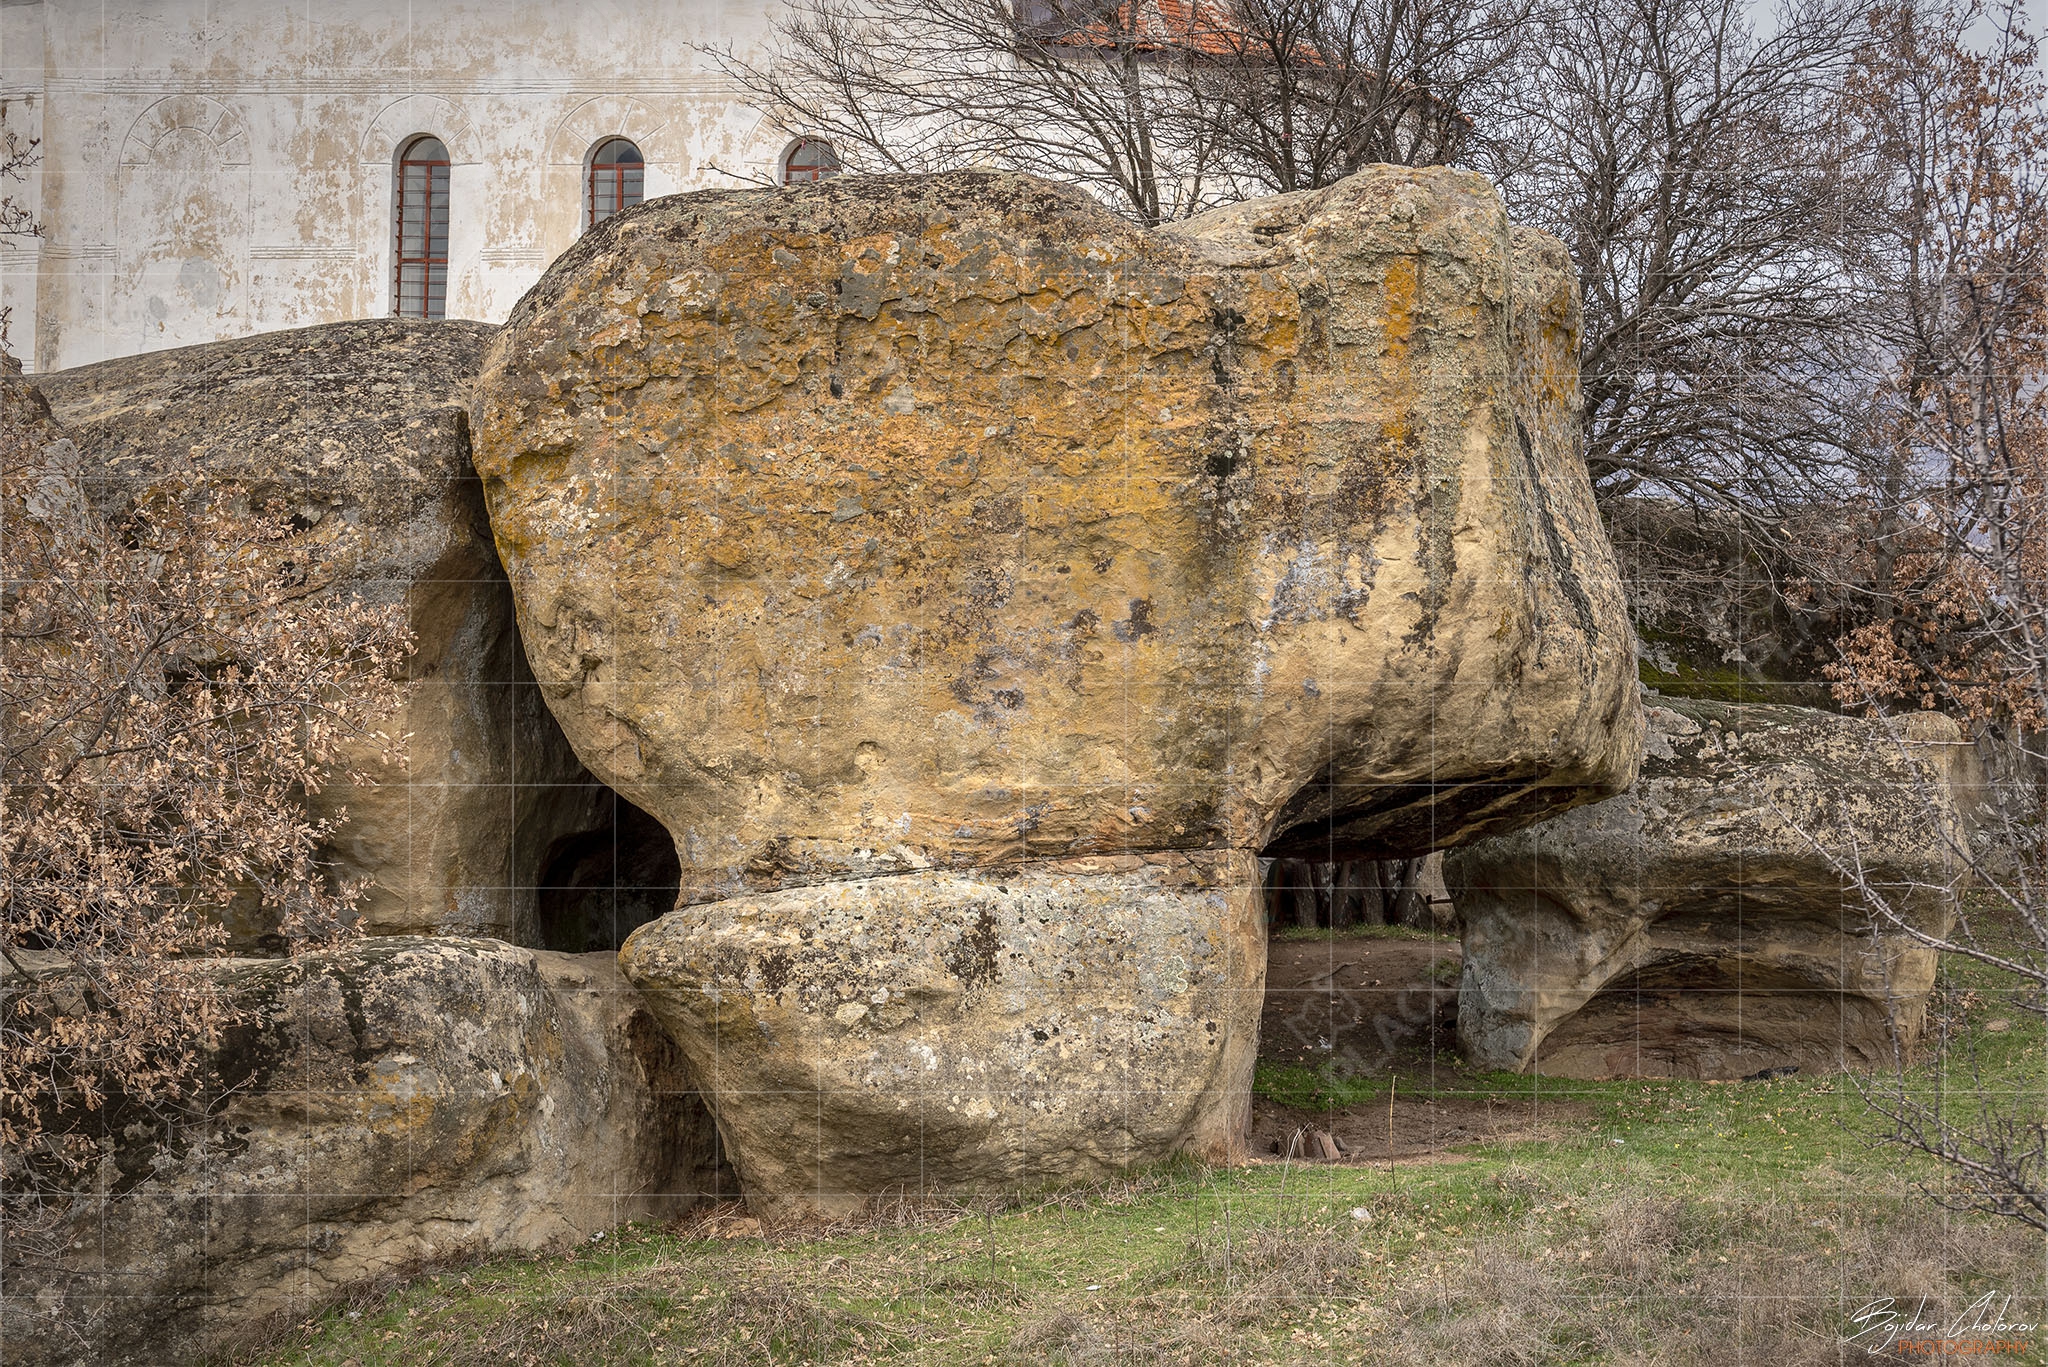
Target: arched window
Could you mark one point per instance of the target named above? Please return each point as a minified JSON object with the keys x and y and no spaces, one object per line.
{"x":419,"y":217}
{"x":809,"y":159}
{"x":617,"y":181}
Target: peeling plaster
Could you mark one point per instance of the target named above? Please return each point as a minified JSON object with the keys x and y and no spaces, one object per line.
{"x":214,"y":168}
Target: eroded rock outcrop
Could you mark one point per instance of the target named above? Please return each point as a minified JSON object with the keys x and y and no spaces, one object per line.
{"x":361,"y":430}
{"x":395,"y":1102}
{"x":954,"y":1029}
{"x":899,"y":536}
{"x":1696,"y":926}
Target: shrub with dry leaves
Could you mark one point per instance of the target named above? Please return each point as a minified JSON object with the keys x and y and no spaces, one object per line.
{"x":175,"y":675}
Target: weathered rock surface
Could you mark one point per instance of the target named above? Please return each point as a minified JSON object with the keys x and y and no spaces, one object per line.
{"x":25,"y":413}
{"x":952,"y":519}
{"x":1057,"y":1020}
{"x":1710,"y":619}
{"x":398,"y":1101}
{"x":1691,"y":928}
{"x":364,"y":426}
{"x":902,"y":525}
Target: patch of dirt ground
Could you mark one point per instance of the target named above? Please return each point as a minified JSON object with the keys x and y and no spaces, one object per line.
{"x":1374,"y":1133}
{"x":1374,"y":1008}
{"x":1363,"y":1005}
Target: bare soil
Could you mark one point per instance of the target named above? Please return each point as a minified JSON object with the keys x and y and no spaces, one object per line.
{"x":1409,"y":1130}
{"x":1373,"y":1009}
{"x":1365,"y":1004}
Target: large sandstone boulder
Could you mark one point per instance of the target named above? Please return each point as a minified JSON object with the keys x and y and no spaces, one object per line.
{"x":392,"y":1103}
{"x":364,"y":427}
{"x":897,"y":533}
{"x":1701,"y":924}
{"x":1060,"y":1019}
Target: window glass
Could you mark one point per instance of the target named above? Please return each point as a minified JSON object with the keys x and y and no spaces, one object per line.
{"x":420,"y":225}
{"x":617,"y":181}
{"x":810,"y":159}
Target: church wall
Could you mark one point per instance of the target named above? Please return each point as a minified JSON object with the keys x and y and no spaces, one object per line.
{"x":219,"y":167}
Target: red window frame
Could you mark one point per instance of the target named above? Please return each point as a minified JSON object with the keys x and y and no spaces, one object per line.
{"x":815,"y":172}
{"x":419,"y":221}
{"x":627,"y":181}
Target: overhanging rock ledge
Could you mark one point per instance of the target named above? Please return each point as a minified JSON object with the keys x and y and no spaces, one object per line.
{"x":899,"y":541}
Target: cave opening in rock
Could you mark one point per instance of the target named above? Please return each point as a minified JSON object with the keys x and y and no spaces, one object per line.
{"x":599,"y":885}
{"x":1342,"y":894}
{"x":1362,"y":962}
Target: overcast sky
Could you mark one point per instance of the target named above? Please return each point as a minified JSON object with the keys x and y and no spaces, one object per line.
{"x":1763,"y":10}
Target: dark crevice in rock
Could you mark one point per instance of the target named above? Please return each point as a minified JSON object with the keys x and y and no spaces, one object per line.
{"x":691,"y":1158}
{"x":1338,"y":894}
{"x":598,"y":886}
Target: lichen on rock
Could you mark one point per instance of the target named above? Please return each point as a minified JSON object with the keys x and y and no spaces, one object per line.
{"x":1707,"y":923}
{"x":361,"y":432}
{"x":899,"y":526}
{"x":396,"y":1102}
{"x":1054,"y":1021}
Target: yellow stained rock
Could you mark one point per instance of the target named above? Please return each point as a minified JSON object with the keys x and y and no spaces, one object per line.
{"x":892,"y":526}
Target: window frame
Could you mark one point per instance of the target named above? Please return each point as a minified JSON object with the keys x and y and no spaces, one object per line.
{"x":433,"y":268}
{"x":818,"y":174}
{"x":617,"y":171}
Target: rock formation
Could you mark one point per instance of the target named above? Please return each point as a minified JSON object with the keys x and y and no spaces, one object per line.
{"x":1710,"y":619}
{"x":1057,"y":1018}
{"x":1698,"y":925}
{"x":974,"y":585}
{"x":363,"y":426}
{"x":381,"y":1106}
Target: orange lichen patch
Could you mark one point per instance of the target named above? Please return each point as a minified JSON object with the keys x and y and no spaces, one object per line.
{"x":1053,"y":512}
{"x":1402,"y":283}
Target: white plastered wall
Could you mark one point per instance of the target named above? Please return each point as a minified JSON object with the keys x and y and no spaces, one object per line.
{"x":214,"y":168}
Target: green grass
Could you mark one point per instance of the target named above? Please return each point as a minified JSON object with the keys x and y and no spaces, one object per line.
{"x":1668,"y":1221}
{"x":1296,"y":934}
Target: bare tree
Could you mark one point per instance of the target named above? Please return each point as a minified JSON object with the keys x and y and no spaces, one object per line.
{"x":1162,"y":108}
{"x":170,"y":688}
{"x":1955,"y":545}
{"x":1307,"y":92}
{"x":1341,"y":894}
{"x":1068,"y":89}
{"x":17,"y":156}
{"x":1694,"y":171}
{"x":1944,"y":549}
